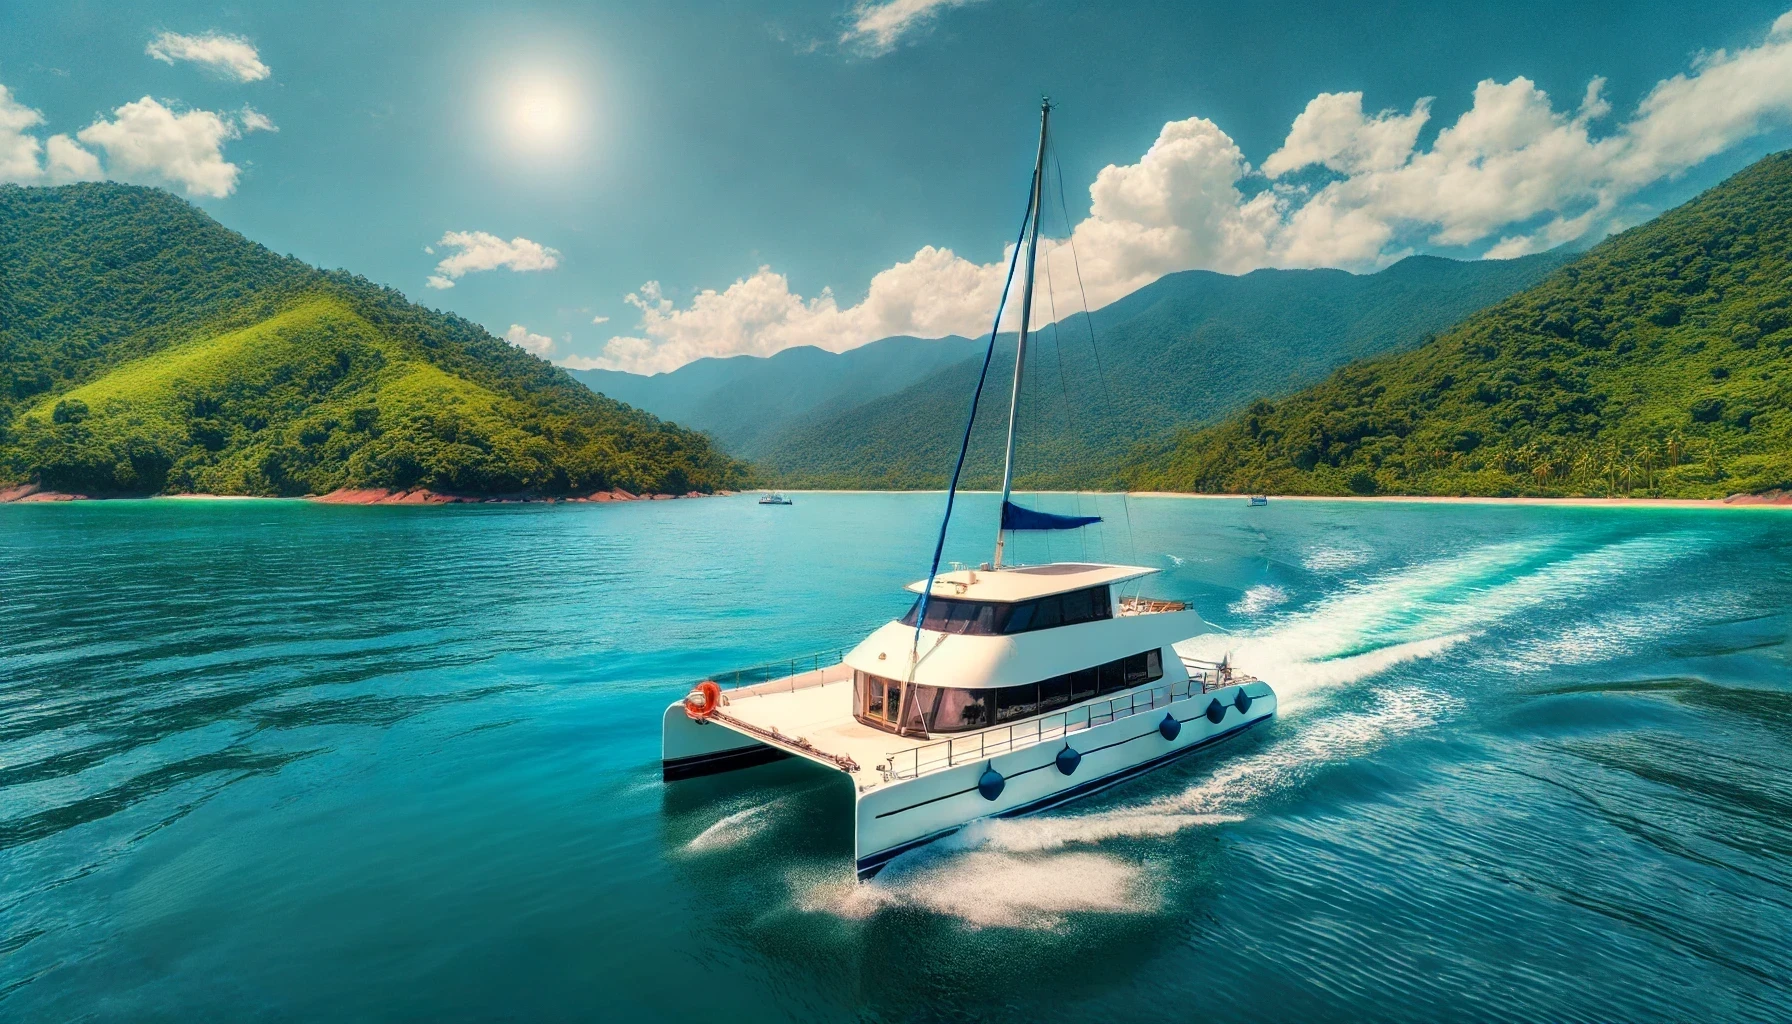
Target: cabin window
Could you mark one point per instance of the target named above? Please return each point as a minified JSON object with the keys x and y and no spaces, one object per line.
{"x":1082,"y":684}
{"x":953,"y":709}
{"x":878,"y":698}
{"x":983,"y":618}
{"x":1016,"y":702}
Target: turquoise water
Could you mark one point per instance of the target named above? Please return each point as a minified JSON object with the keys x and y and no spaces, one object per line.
{"x":282,"y":761}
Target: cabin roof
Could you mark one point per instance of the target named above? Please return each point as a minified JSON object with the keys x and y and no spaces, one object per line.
{"x":1025,"y":582}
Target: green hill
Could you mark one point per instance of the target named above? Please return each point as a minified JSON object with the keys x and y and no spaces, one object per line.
{"x":1188,"y":349}
{"x":1658,"y":363}
{"x":146,"y":348}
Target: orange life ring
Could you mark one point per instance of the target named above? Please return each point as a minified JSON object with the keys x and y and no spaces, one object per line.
{"x":703,"y":701}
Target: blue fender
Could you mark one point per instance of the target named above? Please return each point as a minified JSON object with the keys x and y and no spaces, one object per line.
{"x":991,"y":784}
{"x":1068,"y":759}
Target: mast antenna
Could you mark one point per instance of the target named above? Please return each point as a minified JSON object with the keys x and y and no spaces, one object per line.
{"x":1026,"y":316}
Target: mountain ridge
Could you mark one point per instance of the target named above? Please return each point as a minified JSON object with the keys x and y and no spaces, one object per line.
{"x":1190,"y":347}
{"x":1660,"y":362}
{"x":147,"y":348}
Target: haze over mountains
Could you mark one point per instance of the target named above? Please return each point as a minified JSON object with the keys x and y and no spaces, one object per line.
{"x":1185,"y":350}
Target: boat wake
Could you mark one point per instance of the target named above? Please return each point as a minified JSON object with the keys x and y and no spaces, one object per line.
{"x":1033,"y":872}
{"x":986,"y":888}
{"x":1259,"y":599}
{"x":734,"y":829}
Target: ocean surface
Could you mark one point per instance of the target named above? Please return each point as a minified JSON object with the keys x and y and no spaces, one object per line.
{"x":280,"y":761}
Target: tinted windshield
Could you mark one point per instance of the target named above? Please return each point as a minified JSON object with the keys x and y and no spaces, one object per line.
{"x":951,"y":709}
{"x":982,"y":618}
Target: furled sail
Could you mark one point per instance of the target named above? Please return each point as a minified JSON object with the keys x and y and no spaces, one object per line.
{"x":1016,"y":517}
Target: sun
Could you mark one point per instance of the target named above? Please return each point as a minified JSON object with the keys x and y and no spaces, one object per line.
{"x":539,"y":112}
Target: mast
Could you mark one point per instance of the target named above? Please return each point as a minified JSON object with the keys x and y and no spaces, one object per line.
{"x":1026,"y":315}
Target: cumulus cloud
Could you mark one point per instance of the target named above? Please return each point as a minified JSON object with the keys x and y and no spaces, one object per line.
{"x":475,"y":251}
{"x":232,"y":56}
{"x":146,"y":141}
{"x":875,"y":27}
{"x":1512,"y":175}
{"x":18,"y":151}
{"x":600,"y":319}
{"x":66,"y":161}
{"x":535,"y":344}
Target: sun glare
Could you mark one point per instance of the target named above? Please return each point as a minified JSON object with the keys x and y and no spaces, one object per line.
{"x":539,"y":112}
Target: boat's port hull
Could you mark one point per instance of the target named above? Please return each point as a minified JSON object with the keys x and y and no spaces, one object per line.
{"x":691,"y":749}
{"x":896,"y":818}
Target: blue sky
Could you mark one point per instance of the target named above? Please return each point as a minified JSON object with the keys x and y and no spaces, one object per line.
{"x":581,"y":151}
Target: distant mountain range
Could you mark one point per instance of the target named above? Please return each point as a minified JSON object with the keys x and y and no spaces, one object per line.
{"x":146,"y":348}
{"x":1659,"y":363}
{"x":1185,"y":350}
{"x":747,"y":402}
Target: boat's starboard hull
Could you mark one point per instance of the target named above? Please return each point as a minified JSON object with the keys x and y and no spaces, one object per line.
{"x":896,"y":818}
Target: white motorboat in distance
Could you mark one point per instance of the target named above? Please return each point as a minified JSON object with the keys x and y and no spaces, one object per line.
{"x":775,"y":499}
{"x":1004,"y":690}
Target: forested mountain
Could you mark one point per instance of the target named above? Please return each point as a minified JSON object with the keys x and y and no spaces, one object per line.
{"x":146,"y":348}
{"x":1187,"y":349}
{"x":1659,"y":363}
{"x":747,"y":402}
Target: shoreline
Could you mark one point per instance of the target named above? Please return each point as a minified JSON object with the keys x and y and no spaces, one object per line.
{"x":33,"y":494}
{"x":1770,"y":499}
{"x":30,"y":493}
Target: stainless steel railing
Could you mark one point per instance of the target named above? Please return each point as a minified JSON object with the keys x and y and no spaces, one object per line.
{"x":972,"y":747}
{"x":800,"y":672}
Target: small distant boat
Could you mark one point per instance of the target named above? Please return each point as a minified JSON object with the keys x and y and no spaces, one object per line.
{"x":1259,"y":499}
{"x":775,"y":499}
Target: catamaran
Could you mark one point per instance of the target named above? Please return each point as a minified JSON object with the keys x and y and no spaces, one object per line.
{"x":1005,"y":690}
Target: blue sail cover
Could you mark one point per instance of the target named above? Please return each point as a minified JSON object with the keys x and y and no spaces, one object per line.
{"x":1015,"y":517}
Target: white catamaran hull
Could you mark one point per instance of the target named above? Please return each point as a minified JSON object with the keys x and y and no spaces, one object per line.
{"x":896,"y":818}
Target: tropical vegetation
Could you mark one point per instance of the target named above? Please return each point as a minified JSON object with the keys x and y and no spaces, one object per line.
{"x":1659,"y":363}
{"x":145,"y":348}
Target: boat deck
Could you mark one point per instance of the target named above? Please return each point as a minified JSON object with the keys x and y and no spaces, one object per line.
{"x":816,"y":708}
{"x":810,"y":714}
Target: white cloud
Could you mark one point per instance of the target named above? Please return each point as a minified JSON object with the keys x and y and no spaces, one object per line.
{"x":1513,"y":174}
{"x":66,"y":161}
{"x":877,"y":26}
{"x":18,"y":151}
{"x":600,"y":319}
{"x":229,"y":55}
{"x":146,"y":141}
{"x":1333,"y":131}
{"x":476,"y":251}
{"x":535,"y":344}
{"x":254,"y":120}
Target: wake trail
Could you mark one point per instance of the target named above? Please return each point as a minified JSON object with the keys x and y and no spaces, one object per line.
{"x":1032,"y":872}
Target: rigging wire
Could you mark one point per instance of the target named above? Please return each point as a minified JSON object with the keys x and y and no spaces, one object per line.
{"x":958,"y":468}
{"x":1051,"y":295}
{"x":1089,"y":321}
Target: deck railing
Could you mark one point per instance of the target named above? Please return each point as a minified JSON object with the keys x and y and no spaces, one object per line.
{"x":801,"y":672}
{"x":949,"y":753}
{"x":1204,"y":677}
{"x":1214,"y":675}
{"x":1148,"y":606}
